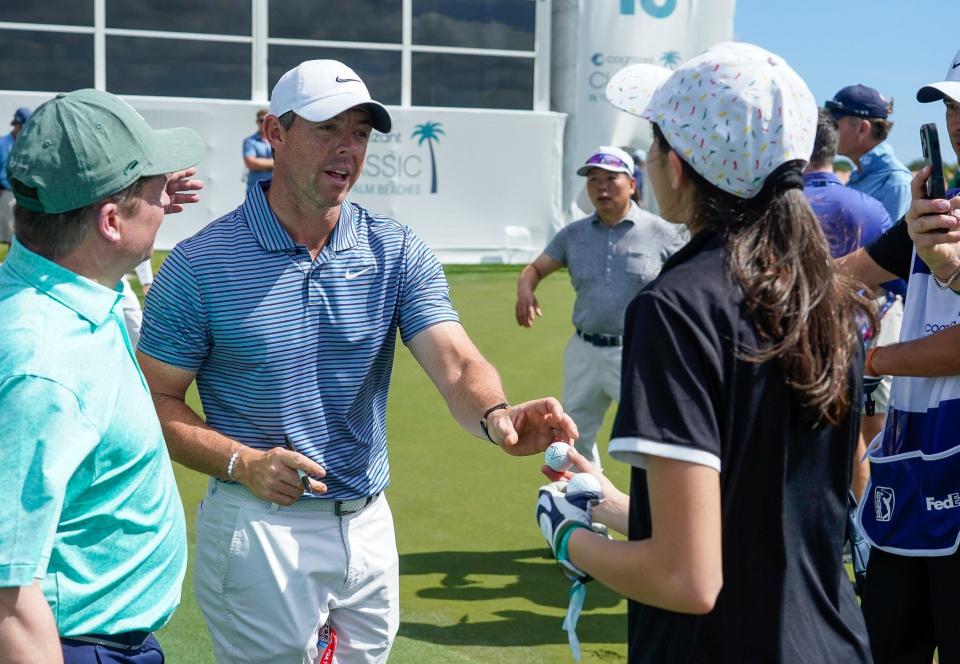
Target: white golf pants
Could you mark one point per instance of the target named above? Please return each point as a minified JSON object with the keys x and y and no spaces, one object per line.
{"x":268,"y":577}
{"x":591,"y":382}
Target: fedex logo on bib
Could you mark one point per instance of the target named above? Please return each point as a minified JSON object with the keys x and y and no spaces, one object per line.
{"x":948,"y":503}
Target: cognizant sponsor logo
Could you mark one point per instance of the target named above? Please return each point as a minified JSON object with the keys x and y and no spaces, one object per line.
{"x":930,"y":328}
{"x":599,"y":59}
{"x":950,"y":502}
{"x":598,"y":77}
{"x":655,"y":8}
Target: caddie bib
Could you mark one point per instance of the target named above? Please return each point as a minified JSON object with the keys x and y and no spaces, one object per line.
{"x":911,"y":505}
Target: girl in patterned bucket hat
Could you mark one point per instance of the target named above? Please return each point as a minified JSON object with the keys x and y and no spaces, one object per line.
{"x":741,"y":380}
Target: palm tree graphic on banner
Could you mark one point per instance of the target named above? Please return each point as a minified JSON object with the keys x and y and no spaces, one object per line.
{"x":670,"y":59}
{"x":429,"y":132}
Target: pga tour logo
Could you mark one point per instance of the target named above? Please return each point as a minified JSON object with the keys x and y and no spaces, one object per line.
{"x":948,"y":503}
{"x":883,"y":499}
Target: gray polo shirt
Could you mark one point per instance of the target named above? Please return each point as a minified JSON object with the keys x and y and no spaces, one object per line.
{"x":609,"y":266}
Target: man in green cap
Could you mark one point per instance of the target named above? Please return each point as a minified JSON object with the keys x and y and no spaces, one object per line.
{"x":92,"y":541}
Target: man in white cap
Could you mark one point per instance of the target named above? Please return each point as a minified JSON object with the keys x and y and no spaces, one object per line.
{"x":286,"y":311}
{"x":910,"y":509}
{"x":611,"y":255}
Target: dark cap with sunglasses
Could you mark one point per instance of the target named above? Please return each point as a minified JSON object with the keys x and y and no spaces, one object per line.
{"x":860,"y":101}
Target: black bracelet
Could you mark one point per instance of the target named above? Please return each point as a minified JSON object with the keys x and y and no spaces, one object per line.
{"x":483,"y":419}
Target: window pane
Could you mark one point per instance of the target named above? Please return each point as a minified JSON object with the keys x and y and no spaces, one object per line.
{"x":75,"y":12}
{"x":472,"y":81}
{"x":337,"y":20}
{"x":54,"y":61}
{"x":220,"y":17}
{"x":177,"y":68}
{"x":380,"y":70}
{"x":507,"y":24}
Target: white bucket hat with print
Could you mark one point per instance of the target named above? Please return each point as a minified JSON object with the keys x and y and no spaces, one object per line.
{"x":735,"y":113}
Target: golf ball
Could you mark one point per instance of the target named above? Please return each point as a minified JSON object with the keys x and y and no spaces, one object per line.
{"x":557,"y":456}
{"x":582,"y":483}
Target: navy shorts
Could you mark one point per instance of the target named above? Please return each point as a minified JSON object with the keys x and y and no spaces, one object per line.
{"x":81,"y":652}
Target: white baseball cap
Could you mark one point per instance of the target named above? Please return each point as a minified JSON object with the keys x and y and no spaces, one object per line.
{"x":950,"y":87}
{"x":735,"y":113}
{"x":318,"y":90}
{"x":609,"y":159}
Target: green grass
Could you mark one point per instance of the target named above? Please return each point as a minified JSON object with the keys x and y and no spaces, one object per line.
{"x":475,"y":583}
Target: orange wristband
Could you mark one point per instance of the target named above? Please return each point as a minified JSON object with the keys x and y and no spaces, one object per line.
{"x":868,"y":362}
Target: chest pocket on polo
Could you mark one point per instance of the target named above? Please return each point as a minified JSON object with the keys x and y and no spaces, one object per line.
{"x":643,"y":264}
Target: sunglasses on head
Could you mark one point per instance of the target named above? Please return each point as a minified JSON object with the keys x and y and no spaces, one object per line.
{"x":606,"y":160}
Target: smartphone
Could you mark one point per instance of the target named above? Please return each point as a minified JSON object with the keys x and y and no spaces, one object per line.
{"x":930,"y":142}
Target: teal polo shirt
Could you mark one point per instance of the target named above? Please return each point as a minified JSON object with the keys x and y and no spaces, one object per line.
{"x":88,"y":502}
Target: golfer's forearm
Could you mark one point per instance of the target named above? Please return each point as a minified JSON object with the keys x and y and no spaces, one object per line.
{"x":529,"y":279}
{"x":190,"y":441}
{"x":932,"y":356}
{"x":28,"y":633}
{"x":476,"y":389}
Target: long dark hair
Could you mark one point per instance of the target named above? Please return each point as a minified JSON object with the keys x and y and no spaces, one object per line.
{"x":805,"y":310}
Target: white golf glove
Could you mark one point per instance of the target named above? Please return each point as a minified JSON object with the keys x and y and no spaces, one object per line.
{"x":558,"y":515}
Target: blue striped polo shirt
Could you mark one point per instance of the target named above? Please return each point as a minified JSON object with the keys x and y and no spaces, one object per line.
{"x":285,"y":345}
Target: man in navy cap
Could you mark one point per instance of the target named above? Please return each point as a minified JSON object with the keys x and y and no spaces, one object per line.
{"x":852,"y":219}
{"x":20,"y":118}
{"x":861,"y":114}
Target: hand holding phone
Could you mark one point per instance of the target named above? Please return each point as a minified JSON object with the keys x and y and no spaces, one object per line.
{"x":930,"y":143}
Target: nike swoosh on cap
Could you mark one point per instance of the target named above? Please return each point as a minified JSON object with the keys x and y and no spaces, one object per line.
{"x":956,"y":64}
{"x":347,"y":80}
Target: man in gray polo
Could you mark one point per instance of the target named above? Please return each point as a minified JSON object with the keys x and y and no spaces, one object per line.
{"x":611,"y":254}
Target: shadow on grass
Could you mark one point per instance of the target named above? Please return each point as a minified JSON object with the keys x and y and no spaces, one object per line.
{"x":520,"y":628}
{"x":530,"y":578}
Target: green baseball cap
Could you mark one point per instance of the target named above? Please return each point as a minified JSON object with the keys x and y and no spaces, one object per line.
{"x":82,"y":146}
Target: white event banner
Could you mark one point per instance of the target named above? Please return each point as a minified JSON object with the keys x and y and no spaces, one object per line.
{"x":599,"y":37}
{"x":476,"y":185}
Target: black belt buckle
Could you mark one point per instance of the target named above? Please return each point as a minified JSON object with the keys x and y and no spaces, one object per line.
{"x":338,"y":506}
{"x":600,"y":340}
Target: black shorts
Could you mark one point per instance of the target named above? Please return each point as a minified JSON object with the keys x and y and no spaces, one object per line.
{"x":910,"y":607}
